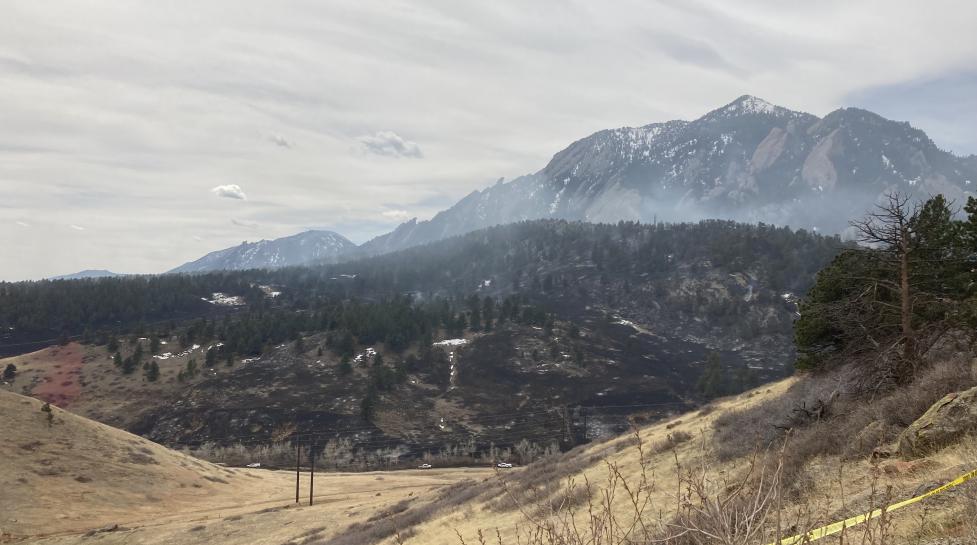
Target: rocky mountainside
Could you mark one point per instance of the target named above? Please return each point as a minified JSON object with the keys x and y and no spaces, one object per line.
{"x":322,"y":246}
{"x":749,"y":161}
{"x":530,"y":316}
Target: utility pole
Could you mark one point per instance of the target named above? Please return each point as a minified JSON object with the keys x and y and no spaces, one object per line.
{"x":298,"y":455}
{"x":312,"y":472}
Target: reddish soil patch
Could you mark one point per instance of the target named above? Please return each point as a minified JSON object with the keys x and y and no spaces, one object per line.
{"x":61,"y":385}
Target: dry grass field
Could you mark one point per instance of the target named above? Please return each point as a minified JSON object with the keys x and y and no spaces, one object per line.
{"x":65,"y":477}
{"x":63,"y":480}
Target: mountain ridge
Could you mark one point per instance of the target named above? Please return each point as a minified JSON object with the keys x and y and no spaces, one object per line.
{"x":297,"y":249}
{"x":749,"y":160}
{"x":87,"y":273}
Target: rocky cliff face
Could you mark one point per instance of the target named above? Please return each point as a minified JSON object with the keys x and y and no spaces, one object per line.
{"x":749,"y":161}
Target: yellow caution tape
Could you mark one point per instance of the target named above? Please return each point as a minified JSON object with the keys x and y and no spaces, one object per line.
{"x":831,"y":529}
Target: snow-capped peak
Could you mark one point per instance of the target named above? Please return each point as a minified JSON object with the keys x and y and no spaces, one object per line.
{"x":749,"y":105}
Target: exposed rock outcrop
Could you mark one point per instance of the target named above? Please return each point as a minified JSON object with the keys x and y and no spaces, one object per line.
{"x":945,"y":422}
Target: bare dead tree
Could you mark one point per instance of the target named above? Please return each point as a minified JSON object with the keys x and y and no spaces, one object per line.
{"x":888,"y":232}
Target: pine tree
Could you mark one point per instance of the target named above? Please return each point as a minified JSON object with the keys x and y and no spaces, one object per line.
{"x":368,"y":406}
{"x":129,"y":365}
{"x":911,"y":274}
{"x":152,"y":372}
{"x":711,"y":382}
{"x":345,"y":367}
{"x":191,"y":369}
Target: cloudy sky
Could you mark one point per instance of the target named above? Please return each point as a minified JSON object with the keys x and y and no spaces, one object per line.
{"x":136,"y":136}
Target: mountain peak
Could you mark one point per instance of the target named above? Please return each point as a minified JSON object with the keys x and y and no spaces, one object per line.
{"x":749,"y":105}
{"x":87,"y":273}
{"x":301,"y":248}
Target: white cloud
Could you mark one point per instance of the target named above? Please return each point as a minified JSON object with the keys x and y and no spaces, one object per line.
{"x":244,"y":223}
{"x":77,"y":227}
{"x":396,"y":215}
{"x":23,"y":224}
{"x":131,"y":133}
{"x":230,"y":191}
{"x":390,"y":144}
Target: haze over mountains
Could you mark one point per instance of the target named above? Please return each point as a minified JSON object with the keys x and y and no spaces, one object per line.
{"x":748,"y":161}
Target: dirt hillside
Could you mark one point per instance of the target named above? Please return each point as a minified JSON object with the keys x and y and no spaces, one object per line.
{"x":61,"y":471}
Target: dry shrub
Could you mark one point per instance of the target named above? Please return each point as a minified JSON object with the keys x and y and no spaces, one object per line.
{"x":738,"y":433}
{"x":827,"y":419}
{"x":707,"y":510}
{"x":671,"y":441}
{"x":545,"y":477}
{"x":710,"y":508}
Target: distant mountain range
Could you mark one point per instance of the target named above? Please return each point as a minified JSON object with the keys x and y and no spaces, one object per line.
{"x":88,"y":273}
{"x":319,"y":246}
{"x":749,"y":161}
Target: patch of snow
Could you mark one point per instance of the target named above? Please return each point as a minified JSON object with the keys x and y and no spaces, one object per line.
{"x":368,"y":354}
{"x":218,"y":298}
{"x":451,"y":342}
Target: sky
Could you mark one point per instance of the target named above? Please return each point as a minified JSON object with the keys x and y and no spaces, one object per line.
{"x":135,"y":136}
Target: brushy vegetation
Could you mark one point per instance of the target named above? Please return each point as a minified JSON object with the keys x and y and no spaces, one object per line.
{"x":754,"y":506}
{"x":827,"y":416}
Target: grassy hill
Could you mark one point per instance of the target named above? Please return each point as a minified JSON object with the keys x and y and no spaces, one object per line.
{"x":66,"y":478}
{"x":660,"y":480}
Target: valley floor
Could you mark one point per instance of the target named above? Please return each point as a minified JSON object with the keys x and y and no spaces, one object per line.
{"x":262,"y":510}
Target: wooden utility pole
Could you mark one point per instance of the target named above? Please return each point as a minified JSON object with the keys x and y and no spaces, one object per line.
{"x":312,"y":472}
{"x":298,"y":455}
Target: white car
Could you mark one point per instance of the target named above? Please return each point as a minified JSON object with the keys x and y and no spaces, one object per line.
{"x":424,"y":466}
{"x":503,"y":465}
{"x":256,"y":464}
